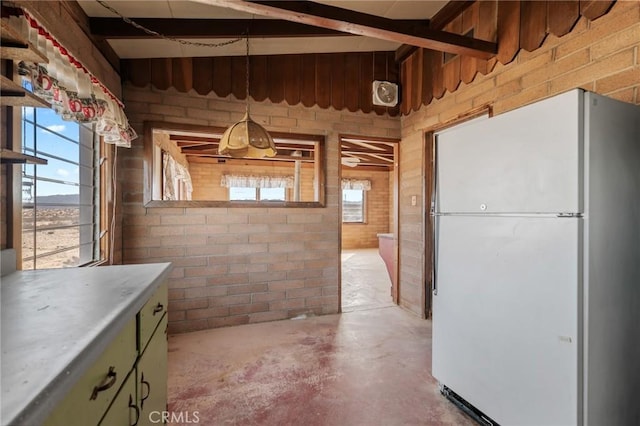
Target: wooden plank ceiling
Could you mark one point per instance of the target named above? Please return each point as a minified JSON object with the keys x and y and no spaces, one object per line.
{"x":365,"y":154}
{"x":464,"y":39}
{"x":206,"y":147}
{"x":338,"y":80}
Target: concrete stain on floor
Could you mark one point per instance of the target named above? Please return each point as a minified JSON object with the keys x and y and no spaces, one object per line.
{"x":369,"y":367}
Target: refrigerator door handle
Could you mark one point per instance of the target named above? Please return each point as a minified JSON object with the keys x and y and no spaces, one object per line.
{"x":434,"y":215}
{"x":434,"y":177}
{"x":434,"y":254}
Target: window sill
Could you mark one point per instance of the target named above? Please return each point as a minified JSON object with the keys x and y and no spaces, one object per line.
{"x":231,"y":204}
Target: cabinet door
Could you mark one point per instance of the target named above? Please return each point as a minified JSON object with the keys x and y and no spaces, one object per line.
{"x":152,"y":377}
{"x":88,"y":400}
{"x":124,"y":411}
{"x":150,"y":315}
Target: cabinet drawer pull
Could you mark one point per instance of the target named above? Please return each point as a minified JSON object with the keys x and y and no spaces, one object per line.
{"x":159,"y":308}
{"x":135,"y":408}
{"x":143,"y":382}
{"x":108,"y":381}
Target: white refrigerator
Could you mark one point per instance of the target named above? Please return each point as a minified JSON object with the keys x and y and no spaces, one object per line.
{"x":536,"y":306}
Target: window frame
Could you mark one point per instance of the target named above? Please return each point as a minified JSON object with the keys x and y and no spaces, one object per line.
{"x":153,"y":175}
{"x":90,"y":150}
{"x":363,"y":208}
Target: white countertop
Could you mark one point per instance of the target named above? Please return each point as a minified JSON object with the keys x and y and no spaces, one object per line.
{"x":55,"y":325}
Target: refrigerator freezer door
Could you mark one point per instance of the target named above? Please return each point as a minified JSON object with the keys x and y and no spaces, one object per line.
{"x":505,"y":325}
{"x":524,"y":161}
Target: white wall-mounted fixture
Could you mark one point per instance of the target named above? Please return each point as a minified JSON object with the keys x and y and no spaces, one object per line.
{"x":385,"y":93}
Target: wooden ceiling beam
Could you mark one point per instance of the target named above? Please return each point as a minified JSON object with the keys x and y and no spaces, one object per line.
{"x":445,"y":15}
{"x":199,"y":149}
{"x":116,"y":28}
{"x":352,"y":148}
{"x":193,"y":138}
{"x":287,"y":158}
{"x":334,"y":18}
{"x":360,"y":152}
{"x":362,"y":168}
{"x":194,"y":145}
{"x":187,"y":144}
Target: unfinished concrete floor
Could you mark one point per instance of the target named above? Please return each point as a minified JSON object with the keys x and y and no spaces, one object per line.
{"x":365,"y":280}
{"x":369,"y":367}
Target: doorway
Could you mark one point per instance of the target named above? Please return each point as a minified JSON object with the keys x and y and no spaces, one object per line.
{"x":369,"y":214}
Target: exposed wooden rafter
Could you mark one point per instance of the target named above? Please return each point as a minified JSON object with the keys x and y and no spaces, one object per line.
{"x":368,"y":154}
{"x":363,"y":24}
{"x":116,"y":28}
{"x":439,"y":20}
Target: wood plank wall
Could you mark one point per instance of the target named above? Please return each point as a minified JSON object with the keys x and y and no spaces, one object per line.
{"x":343,"y":80}
{"x":514,"y":25}
{"x":338,"y":80}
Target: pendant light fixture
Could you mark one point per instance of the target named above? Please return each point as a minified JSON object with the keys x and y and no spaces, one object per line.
{"x":246,"y":138}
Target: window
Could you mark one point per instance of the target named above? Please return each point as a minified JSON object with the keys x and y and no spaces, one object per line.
{"x":256,"y":194}
{"x":353,"y":206}
{"x":271,"y":194}
{"x":60,"y":200}
{"x":293,"y":178}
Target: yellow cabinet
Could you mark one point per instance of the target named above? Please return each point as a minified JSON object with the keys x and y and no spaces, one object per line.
{"x":150,"y":315}
{"x":124,"y":411}
{"x":89,"y":399}
{"x":128,"y":383}
{"x":152,"y":377}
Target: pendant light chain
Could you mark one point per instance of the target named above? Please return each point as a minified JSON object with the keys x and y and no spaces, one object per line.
{"x":165,"y":37}
{"x":247,"y":82}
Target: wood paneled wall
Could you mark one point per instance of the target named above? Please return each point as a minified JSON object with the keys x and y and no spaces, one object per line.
{"x":515,"y":25}
{"x":338,"y":80}
{"x":343,"y":80}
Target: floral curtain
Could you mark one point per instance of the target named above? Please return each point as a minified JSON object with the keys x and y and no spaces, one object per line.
{"x":250,"y":181}
{"x":74,"y":93}
{"x":361,"y":184}
{"x":176,"y":176}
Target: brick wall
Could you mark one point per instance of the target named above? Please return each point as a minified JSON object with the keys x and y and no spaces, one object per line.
{"x":378,"y":210}
{"x":601,"y":56}
{"x":239,"y":265}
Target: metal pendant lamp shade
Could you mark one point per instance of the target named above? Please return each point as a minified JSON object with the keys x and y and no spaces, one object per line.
{"x":246,"y":138}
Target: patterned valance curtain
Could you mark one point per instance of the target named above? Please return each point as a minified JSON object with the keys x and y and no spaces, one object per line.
{"x":73,"y":92}
{"x":251,"y":181}
{"x":361,"y":184}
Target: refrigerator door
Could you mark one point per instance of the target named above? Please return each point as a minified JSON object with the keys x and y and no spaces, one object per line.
{"x":505,"y":317}
{"x":612,"y":270}
{"x":523,"y":161}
